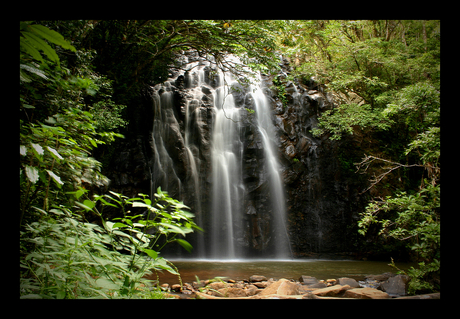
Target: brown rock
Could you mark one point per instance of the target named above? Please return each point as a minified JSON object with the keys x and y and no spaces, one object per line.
{"x":238,"y":285}
{"x":257,"y":278}
{"x":262,"y":284}
{"x":232,"y":292}
{"x":272,"y":288}
{"x":187,"y":286}
{"x":200,"y":295}
{"x":366,"y":293}
{"x":287,"y":288}
{"x":217,"y":285}
{"x":176,"y":287}
{"x":318,"y":285}
{"x":197,"y":285}
{"x":275,"y":296}
{"x":308,"y":280}
{"x":252,"y":290}
{"x":331,"y":291}
{"x":331,"y":282}
{"x":348,"y":281}
{"x":436,"y":295}
{"x":280,"y":287}
{"x":381,"y":277}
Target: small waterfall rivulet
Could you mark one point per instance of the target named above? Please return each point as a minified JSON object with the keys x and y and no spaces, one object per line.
{"x":267,"y":130}
{"x":211,"y":173}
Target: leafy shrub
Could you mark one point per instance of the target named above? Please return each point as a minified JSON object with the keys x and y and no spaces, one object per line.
{"x":69,"y":258}
{"x":414,"y":220}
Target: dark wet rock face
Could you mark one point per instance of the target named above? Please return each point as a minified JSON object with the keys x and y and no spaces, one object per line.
{"x":169,"y":144}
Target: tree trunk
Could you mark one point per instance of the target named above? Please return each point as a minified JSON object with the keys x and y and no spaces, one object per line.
{"x":424,"y":34}
{"x":403,"y":34}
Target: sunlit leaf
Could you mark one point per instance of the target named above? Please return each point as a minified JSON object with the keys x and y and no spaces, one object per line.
{"x":37,"y":148}
{"x":119,"y":225}
{"x":32,"y":173}
{"x":22,"y":150}
{"x":54,"y":153}
{"x":140,"y":204}
{"x":56,"y":178}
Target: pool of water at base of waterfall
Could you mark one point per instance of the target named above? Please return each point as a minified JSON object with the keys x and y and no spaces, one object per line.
{"x":276,"y":269}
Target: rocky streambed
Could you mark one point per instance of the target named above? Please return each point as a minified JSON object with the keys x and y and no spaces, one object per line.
{"x":383,"y":286}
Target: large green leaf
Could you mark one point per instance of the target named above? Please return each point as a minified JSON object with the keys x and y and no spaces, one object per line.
{"x":22,"y":150}
{"x":32,"y":173}
{"x":152,"y":254}
{"x":89,"y":203}
{"x":54,"y":153}
{"x":52,"y":36}
{"x":173,"y":228}
{"x":107,"y":284}
{"x":185,"y":244}
{"x":37,"y":148}
{"x":140,"y":204}
{"x":30,"y":49}
{"x":40,"y":44}
{"x":33,"y":70}
{"x":162,"y":264}
{"x":83,"y":205}
{"x":56,"y":178}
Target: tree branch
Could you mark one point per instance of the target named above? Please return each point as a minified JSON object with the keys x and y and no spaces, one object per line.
{"x":368,"y":160}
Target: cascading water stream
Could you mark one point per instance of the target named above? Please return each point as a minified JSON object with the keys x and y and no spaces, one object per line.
{"x":227,"y":185}
{"x":267,"y":130}
{"x":230,"y":213}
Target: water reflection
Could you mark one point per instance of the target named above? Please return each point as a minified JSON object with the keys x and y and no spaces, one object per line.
{"x":289,"y":269}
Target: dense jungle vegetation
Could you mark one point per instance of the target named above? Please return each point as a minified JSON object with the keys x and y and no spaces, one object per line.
{"x":78,"y":79}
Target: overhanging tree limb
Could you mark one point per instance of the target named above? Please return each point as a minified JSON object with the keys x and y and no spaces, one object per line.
{"x":368,"y":160}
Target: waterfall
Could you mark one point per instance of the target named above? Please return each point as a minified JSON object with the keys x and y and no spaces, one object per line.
{"x":227,"y":184}
{"x":200,"y":151}
{"x":267,"y":130}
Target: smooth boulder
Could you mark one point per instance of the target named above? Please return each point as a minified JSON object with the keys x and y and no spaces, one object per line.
{"x":280,"y":287}
{"x":257,"y":278}
{"x":366,"y":293}
{"x":348,"y":281}
{"x":308,"y":280}
{"x":331,"y":291}
{"x":395,"y":285}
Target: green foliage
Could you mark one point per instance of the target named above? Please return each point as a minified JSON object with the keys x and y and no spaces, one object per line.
{"x":75,"y":83}
{"x":385,"y":76}
{"x":280,"y":90}
{"x":59,"y":151}
{"x":69,"y":258}
{"x":57,"y":131}
{"x":140,"y":51}
{"x":416,"y":221}
{"x":429,"y":145}
{"x":343,"y":118}
{"x":108,"y":115}
{"x":358,"y":58}
{"x":32,"y":41}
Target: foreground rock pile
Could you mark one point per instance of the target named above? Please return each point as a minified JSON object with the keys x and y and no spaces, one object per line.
{"x":383,"y":286}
